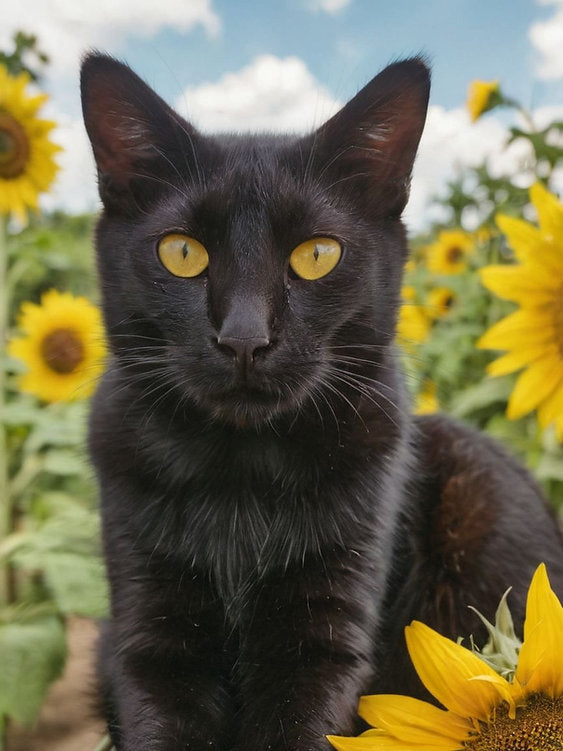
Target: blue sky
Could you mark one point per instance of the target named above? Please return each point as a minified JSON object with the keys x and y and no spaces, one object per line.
{"x":238,"y":64}
{"x":464,"y":39}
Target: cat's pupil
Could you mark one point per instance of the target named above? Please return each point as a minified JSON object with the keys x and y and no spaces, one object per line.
{"x":316,"y":253}
{"x":184,"y":250}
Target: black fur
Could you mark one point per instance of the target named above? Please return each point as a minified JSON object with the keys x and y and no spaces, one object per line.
{"x":272,"y":524}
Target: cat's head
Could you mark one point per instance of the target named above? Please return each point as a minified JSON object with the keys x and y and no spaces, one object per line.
{"x":247,"y":274}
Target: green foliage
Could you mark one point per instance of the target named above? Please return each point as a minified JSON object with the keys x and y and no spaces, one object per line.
{"x":53,"y":252}
{"x":32,"y":655}
{"x":16,"y":61}
{"x":50,"y":561}
{"x":450,"y":357}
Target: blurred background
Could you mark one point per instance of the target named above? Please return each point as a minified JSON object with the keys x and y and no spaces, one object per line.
{"x":481,"y":326}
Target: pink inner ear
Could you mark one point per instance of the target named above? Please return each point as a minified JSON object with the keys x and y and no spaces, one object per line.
{"x":394,"y":135}
{"x":379,"y":129}
{"x":120,"y":139}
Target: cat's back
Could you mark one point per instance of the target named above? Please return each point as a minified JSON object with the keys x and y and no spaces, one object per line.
{"x":476,"y":506}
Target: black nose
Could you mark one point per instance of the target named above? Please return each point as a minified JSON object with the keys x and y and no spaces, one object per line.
{"x":244,"y":349}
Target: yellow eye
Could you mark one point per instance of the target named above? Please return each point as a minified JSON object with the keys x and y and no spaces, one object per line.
{"x":182,"y":255}
{"x":315,"y":258}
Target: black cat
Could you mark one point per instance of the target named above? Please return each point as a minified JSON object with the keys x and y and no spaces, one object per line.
{"x":272,"y":514}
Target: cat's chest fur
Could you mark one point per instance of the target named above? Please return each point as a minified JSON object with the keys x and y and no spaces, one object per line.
{"x":240,"y":503}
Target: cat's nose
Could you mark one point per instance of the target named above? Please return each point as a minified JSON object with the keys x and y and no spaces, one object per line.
{"x":244,"y":349}
{"x":244,"y":331}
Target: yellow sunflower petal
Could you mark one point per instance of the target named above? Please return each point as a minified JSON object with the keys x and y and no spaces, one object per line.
{"x":540,"y":665}
{"x":551,"y":409}
{"x":28,"y":167}
{"x":413,"y":325}
{"x":446,"y":669}
{"x":376,"y":741}
{"x":534,"y":385}
{"x":516,"y":329}
{"x":517,"y":359}
{"x":550,"y":210}
{"x":522,"y":236}
{"x":413,"y":720}
{"x":522,"y":284}
{"x":479,"y":96}
{"x":504,"y":688}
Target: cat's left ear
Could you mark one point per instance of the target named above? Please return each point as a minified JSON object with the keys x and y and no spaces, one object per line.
{"x":371,"y":143}
{"x":137,"y":139}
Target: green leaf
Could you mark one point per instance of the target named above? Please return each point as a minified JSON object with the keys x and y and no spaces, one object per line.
{"x":78,"y":584}
{"x":60,"y":541}
{"x":58,"y":425}
{"x":503,"y":646}
{"x":489,"y":391}
{"x":63,"y":462}
{"x":64,"y":526}
{"x":21,"y":412}
{"x":550,"y":467}
{"x":32,"y":655}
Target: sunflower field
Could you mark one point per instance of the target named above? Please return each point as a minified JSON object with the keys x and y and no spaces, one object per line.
{"x":480,"y":331}
{"x":50,"y":566}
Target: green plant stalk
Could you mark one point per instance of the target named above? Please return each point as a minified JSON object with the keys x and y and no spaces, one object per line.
{"x":5,"y":505}
{"x":104,"y":745}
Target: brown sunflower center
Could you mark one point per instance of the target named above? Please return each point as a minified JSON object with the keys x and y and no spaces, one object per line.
{"x":537,"y":727}
{"x":454,"y":253}
{"x":14,"y":147}
{"x":62,"y":350}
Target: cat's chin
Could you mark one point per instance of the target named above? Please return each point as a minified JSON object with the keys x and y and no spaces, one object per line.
{"x":248,"y":409}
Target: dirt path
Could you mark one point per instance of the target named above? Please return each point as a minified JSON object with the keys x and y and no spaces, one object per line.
{"x":67,"y":721}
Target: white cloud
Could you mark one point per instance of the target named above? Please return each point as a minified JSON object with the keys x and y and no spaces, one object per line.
{"x":68,"y":28}
{"x":276,"y":95}
{"x":451,"y":143}
{"x":329,"y":6}
{"x":270,"y":94}
{"x":547,"y":38}
{"x":74,"y":189}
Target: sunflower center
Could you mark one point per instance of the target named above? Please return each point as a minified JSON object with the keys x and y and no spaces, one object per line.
{"x":537,"y":727}
{"x":454,"y":253}
{"x":62,"y":350}
{"x":14,"y":147}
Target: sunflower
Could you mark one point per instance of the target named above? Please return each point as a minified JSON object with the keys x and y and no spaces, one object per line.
{"x":448,"y":255}
{"x":482,"y":96}
{"x":27,"y":167}
{"x":426,"y":399}
{"x":483,"y":711}
{"x":414,"y":324}
{"x":63,"y":347}
{"x":533,"y":335}
{"x":439,"y":302}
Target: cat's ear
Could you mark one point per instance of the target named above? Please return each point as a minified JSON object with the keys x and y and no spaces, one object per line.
{"x":371,"y":142}
{"x":136,"y":137}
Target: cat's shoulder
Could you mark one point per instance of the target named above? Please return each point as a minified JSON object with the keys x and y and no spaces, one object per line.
{"x":448,"y":446}
{"x":469,"y":487}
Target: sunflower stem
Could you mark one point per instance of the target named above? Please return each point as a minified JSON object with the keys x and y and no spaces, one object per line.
{"x":5,"y":505}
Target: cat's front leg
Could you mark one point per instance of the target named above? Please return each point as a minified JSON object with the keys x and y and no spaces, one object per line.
{"x":165,"y":667}
{"x":306,"y":654}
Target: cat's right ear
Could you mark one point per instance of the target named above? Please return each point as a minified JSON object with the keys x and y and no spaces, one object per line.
{"x":136,"y":137}
{"x":369,"y":147}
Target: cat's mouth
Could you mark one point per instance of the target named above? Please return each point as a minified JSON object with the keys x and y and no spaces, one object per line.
{"x":248,"y":405}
